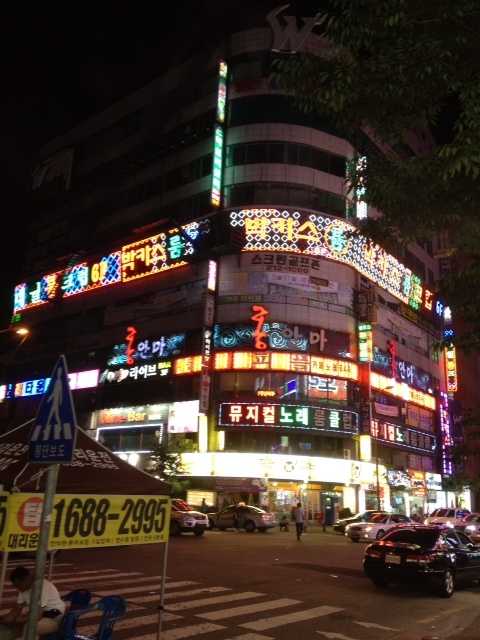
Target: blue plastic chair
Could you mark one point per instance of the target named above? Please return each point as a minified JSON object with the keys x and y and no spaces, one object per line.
{"x":79,"y":601}
{"x":112,"y":607}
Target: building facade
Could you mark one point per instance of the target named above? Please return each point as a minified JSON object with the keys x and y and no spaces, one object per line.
{"x":193,"y":256}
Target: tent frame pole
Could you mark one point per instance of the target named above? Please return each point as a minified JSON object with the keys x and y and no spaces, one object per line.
{"x":3,"y":574}
{"x":162,"y":589}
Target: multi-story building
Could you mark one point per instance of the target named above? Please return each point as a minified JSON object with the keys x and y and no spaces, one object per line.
{"x":192,"y":255}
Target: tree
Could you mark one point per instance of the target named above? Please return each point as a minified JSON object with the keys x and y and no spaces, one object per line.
{"x":401,"y":80}
{"x":166,"y":462}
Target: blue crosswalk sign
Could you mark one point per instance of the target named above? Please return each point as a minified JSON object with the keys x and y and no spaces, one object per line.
{"x":53,"y":436}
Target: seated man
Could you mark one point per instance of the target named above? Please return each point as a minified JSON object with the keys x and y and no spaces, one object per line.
{"x":51,"y":612}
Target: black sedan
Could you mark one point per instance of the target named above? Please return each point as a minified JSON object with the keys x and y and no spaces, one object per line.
{"x":440,"y":557}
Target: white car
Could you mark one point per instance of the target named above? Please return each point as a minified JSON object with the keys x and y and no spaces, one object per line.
{"x":448,"y":517}
{"x":376,"y":528}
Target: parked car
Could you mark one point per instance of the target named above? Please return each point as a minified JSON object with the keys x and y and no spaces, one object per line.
{"x":364,"y":516}
{"x":438,"y":556}
{"x":471,"y":526}
{"x":242,"y":517}
{"x":376,"y":528}
{"x":185,"y":519}
{"x":449,"y":517}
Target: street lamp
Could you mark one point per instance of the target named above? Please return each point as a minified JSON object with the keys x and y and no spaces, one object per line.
{"x":22,"y":331}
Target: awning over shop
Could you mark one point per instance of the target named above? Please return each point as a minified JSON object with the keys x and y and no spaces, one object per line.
{"x":94,"y":469}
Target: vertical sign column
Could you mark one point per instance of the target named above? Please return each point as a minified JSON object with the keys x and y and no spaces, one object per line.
{"x":208,"y":320}
{"x":216,"y":195}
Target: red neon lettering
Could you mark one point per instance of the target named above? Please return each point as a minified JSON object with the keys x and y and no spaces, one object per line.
{"x":259,"y":315}
{"x":130,"y":340}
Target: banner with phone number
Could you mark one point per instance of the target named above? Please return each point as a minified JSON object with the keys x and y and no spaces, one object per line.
{"x":81,"y":521}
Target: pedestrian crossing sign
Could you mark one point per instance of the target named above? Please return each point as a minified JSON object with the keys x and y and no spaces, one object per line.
{"x":53,"y":436}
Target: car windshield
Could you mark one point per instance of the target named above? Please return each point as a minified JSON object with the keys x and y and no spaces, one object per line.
{"x":373,"y":514}
{"x":181,"y":505}
{"x":378,"y":518}
{"x":443,"y":513}
{"x":425,"y":538}
{"x":255,"y":509}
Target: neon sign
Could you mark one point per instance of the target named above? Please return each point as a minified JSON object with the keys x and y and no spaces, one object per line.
{"x":219,"y":136}
{"x":78,"y":380}
{"x":146,"y":371}
{"x":294,"y":362}
{"x":258,"y":317}
{"x":332,"y":238}
{"x":284,"y":416}
{"x":34,"y":294}
{"x":446,"y":435}
{"x":365,"y":342}
{"x":190,"y":364}
{"x":451,"y":368}
{"x":401,"y":390}
{"x":168,"y":250}
{"x":84,"y":276}
{"x":402,"y":436}
{"x":146,"y":350}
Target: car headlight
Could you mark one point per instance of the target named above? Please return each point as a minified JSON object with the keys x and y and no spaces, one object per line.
{"x":449,"y":524}
{"x":368,"y":528}
{"x":470,"y":527}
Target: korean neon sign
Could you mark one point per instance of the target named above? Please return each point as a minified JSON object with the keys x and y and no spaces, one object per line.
{"x":365,"y":342}
{"x":258,"y":317}
{"x":219,"y":136}
{"x":78,"y":380}
{"x":253,"y":414}
{"x":149,"y":256}
{"x":84,"y":276}
{"x":451,"y":368}
{"x":34,"y":294}
{"x":446,"y":435}
{"x":332,"y":238}
{"x":401,"y":390}
{"x":402,"y":436}
{"x":190,"y":364}
{"x":294,"y":362}
{"x":145,"y":371}
{"x":134,"y":351}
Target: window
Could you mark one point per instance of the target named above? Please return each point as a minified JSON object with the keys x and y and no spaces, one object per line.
{"x":425,"y":539}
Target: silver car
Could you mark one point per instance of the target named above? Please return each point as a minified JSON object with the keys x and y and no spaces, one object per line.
{"x":242,"y":517}
{"x":184,"y":519}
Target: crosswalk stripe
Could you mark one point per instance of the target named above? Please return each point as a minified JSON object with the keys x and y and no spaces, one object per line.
{"x":128,"y":623}
{"x":290,"y":618}
{"x":248,"y":608}
{"x":183,"y":632}
{"x":97,"y":575}
{"x":205,"y":602}
{"x":173,"y":594}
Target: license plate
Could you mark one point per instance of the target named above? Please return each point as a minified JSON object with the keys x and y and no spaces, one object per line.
{"x":392,"y":559}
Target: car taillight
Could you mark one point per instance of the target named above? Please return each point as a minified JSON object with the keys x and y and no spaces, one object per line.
{"x":421,"y":558}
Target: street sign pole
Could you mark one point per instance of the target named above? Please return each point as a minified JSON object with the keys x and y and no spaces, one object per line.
{"x":52,"y":443}
{"x":42,"y":550}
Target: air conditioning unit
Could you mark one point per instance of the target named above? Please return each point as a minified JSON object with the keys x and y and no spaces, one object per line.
{"x":347,"y":454}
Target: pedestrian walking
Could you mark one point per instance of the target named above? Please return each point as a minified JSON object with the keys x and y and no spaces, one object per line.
{"x":299,"y":516}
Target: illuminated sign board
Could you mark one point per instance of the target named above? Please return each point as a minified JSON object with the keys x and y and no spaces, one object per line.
{"x":404,"y":371}
{"x":219,"y":136}
{"x":332,"y":238}
{"x":451,"y":368}
{"x":146,"y":371}
{"x":398,"y":478}
{"x":179,"y":417}
{"x":365,"y":342}
{"x":446,"y":435}
{"x":134,"y":351}
{"x":283,"y":337}
{"x":401,"y":390}
{"x":149,"y":256}
{"x":34,"y":294}
{"x":433,"y":481}
{"x":402,"y":436}
{"x":78,"y":380}
{"x":286,"y":416}
{"x":259,"y":314}
{"x":294,"y":362}
{"x":86,"y":276}
{"x":185,"y":366}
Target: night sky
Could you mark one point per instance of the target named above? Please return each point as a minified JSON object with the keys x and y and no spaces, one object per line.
{"x":60,"y":65}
